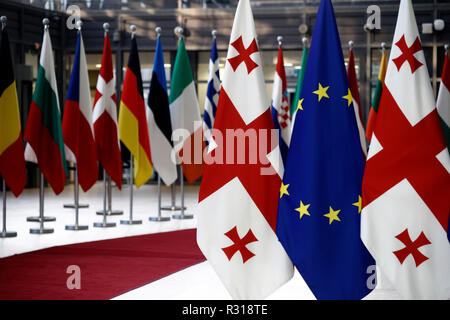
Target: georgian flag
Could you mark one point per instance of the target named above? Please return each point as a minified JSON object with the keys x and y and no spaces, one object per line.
{"x":238,"y":200}
{"x":406,"y":183}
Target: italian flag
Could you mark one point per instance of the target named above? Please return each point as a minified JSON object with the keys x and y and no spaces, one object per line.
{"x":443,"y":101}
{"x":376,"y":97}
{"x":185,"y":116}
{"x":43,"y":129}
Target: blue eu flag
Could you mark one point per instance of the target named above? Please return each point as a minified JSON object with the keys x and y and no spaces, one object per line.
{"x":320,"y":198}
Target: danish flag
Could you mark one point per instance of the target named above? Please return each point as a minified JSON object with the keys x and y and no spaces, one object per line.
{"x":406,"y":183}
{"x":238,"y":199}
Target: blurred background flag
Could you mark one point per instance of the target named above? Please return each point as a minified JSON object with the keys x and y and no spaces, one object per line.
{"x":320,"y":196}
{"x":443,"y":101}
{"x":296,"y":103}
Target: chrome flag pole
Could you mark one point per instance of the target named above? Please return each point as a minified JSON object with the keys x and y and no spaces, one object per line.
{"x":130,"y":220}
{"x":41,"y":219}
{"x":4,"y":233}
{"x":76,"y":226}
{"x":182,"y":216}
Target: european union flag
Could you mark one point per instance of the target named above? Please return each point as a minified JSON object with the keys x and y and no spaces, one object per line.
{"x":320,"y":198}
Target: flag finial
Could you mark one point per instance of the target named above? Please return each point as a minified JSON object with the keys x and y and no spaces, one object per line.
{"x":3,"y":19}
{"x":305,"y":41}
{"x":280,"y":40}
{"x":158,"y":31}
{"x":179,"y":31}
{"x":214,"y":33}
{"x":79,"y":25}
{"x":446,"y":48}
{"x":106,"y":27}
{"x":133,"y":31}
{"x":46,"y":23}
{"x":350,"y":45}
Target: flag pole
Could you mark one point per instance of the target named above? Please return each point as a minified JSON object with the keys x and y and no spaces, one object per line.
{"x":76,"y":226}
{"x":108,"y":210}
{"x":159,"y":217}
{"x":173,"y":207}
{"x":106,"y":187}
{"x":4,"y":233}
{"x":179,"y":33}
{"x":446,"y":48}
{"x":41,"y":218}
{"x":72,"y":205}
{"x":130,"y":221}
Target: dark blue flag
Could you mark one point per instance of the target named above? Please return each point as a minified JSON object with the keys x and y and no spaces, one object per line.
{"x":320,"y":198}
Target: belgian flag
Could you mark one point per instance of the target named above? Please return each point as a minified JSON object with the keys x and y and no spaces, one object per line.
{"x":133,"y":129}
{"x":12,"y":162}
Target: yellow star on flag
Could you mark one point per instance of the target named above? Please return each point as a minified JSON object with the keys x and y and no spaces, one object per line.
{"x":332,"y":215}
{"x":349,"y":98}
{"x":283,"y":189}
{"x":358,"y":204}
{"x":322,"y":92}
{"x":299,"y":105}
{"x":303,"y":209}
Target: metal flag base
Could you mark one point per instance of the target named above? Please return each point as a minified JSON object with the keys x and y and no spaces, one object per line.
{"x":172,"y":208}
{"x":8,"y":234}
{"x":110,"y":212}
{"x":159,"y":219}
{"x":72,"y":206}
{"x":38,"y":219}
{"x":182,"y":216}
{"x":130,"y":222}
{"x":104,"y":224}
{"x":76,"y":227}
{"x":41,"y":231}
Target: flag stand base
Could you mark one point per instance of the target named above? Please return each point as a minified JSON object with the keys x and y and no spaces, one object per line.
{"x":172,"y":208}
{"x":104,"y":224}
{"x":38,"y":219}
{"x":8,"y":234}
{"x":159,"y":219}
{"x":182,"y":216}
{"x":130,"y":222}
{"x":76,"y":227}
{"x":41,"y":231}
{"x":72,"y":206}
{"x":110,"y":212}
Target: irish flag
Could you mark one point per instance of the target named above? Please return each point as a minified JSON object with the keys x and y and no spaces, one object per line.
{"x":43,"y":129}
{"x":12,"y":163}
{"x":185,"y":115}
{"x":78,"y":131}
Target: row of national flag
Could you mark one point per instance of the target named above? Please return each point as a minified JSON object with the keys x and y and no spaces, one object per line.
{"x":87,"y":134}
{"x":315,"y":199}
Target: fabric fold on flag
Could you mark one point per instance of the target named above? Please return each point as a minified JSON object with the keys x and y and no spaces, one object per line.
{"x":159,"y":121}
{"x":43,"y":130}
{"x":186,"y":119}
{"x":133,"y":129}
{"x":355,"y":100}
{"x":213,"y":91}
{"x":105,"y":118}
{"x":12,"y":162}
{"x":238,"y":199}
{"x":406,"y":185}
{"x":280,"y":105}
{"x":320,"y":196}
{"x":376,"y":97}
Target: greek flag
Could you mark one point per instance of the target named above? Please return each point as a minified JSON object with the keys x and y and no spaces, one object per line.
{"x":212,"y":94}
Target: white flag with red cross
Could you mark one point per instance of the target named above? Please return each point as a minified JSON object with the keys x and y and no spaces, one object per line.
{"x":406,"y":185}
{"x":240,"y":187}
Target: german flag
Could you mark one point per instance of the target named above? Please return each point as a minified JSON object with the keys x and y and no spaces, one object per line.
{"x":133,"y":129}
{"x":12,"y":161}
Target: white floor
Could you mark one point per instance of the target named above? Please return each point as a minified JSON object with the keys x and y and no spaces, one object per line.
{"x":193,"y":283}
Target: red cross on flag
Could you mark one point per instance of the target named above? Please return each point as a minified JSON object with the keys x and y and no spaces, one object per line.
{"x":241,"y":181}
{"x":406,"y":183}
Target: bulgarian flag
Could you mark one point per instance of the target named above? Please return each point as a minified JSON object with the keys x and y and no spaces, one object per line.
{"x":133,"y":129}
{"x":443,"y":101}
{"x":185,"y":115}
{"x":376,"y":97}
{"x":78,"y":131}
{"x":12,"y":163}
{"x":43,"y":129}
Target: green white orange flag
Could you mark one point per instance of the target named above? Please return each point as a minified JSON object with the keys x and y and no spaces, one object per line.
{"x":43,"y":129}
{"x":376,"y":97}
{"x":133,"y":129}
{"x":12,"y":162}
{"x":185,"y":115}
{"x":443,"y":101}
{"x":296,"y":104}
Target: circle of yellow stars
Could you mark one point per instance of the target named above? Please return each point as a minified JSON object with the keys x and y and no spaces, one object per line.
{"x":332,"y":214}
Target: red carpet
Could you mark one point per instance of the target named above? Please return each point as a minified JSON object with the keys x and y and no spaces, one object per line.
{"x":108,"y":267}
